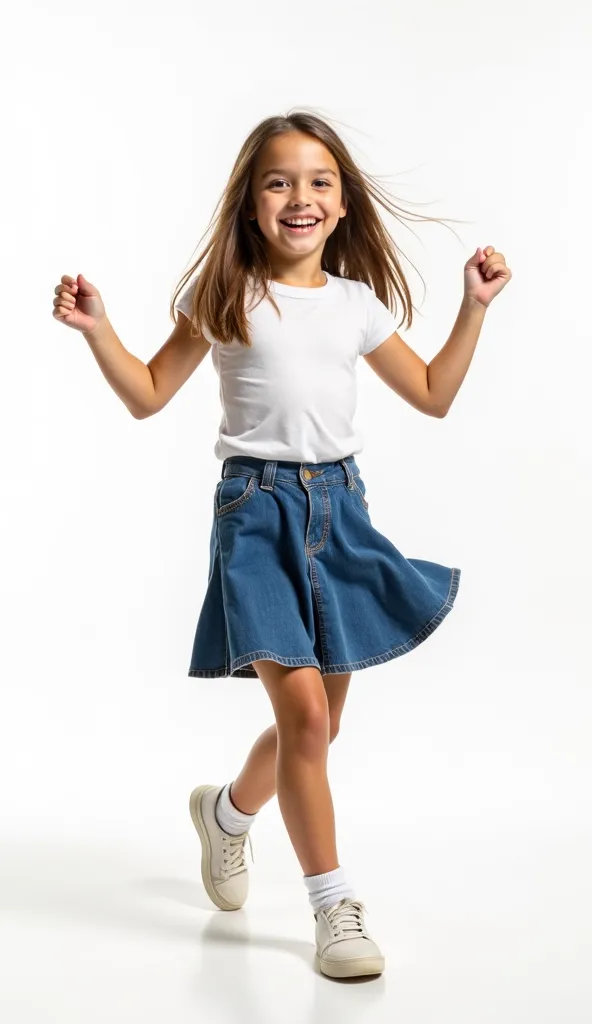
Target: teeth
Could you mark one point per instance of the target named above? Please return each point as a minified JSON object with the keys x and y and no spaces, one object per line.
{"x":300,"y":223}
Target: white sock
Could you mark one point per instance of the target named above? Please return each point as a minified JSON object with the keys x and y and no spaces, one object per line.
{"x":326,"y":890}
{"x":229,"y":818}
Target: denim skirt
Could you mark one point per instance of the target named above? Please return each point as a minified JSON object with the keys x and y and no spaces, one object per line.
{"x":300,"y":576}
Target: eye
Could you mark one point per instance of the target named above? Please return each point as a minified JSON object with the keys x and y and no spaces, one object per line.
{"x":279,"y":181}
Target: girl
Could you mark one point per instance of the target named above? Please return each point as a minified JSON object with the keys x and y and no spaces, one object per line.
{"x":302,"y":589}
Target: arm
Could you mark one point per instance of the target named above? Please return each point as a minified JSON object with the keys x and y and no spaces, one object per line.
{"x":146,"y":388}
{"x":448,"y":369}
{"x":432,"y":387}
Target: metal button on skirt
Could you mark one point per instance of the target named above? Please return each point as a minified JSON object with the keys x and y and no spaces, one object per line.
{"x":300,"y":576}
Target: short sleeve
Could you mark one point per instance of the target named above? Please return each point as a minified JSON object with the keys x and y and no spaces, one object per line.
{"x":185,"y":300}
{"x":185,"y":304}
{"x":380,"y":322}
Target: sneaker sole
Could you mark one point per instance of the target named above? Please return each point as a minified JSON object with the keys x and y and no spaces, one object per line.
{"x":206,"y":850}
{"x":352,"y":968}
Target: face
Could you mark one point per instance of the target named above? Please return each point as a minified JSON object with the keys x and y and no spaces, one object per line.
{"x":295,"y":176}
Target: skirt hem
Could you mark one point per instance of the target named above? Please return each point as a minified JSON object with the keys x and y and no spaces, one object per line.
{"x":236,"y":669}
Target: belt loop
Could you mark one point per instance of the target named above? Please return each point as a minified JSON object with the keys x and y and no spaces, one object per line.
{"x":224,"y":464}
{"x":348,"y":473}
{"x":268,"y":476}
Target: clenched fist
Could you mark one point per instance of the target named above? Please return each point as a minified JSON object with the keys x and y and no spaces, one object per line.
{"x":78,"y":304}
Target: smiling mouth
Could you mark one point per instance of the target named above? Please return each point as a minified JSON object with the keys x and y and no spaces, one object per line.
{"x":300,"y":229}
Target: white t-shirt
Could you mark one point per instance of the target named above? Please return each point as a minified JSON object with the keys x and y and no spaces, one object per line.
{"x":293,"y":394}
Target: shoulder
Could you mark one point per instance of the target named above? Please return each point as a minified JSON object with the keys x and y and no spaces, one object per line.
{"x":348,"y":284}
{"x":367,"y":298}
{"x":354,"y":290}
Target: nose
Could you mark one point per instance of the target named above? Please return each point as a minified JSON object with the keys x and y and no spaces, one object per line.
{"x":300,"y":195}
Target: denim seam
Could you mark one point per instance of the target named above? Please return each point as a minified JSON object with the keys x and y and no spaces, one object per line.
{"x":326,"y":524}
{"x":246,"y":659}
{"x":310,"y":485}
{"x":358,"y":489}
{"x":213,"y":565}
{"x":211,"y":573}
{"x":219,"y":672}
{"x":318,"y":599}
{"x":237,"y":502}
{"x":293,"y":483}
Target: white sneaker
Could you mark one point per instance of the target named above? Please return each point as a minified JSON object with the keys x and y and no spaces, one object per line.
{"x":344,"y":948}
{"x":223,"y":865}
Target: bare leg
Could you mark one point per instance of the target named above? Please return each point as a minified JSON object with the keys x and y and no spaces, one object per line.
{"x":301,"y":711}
{"x":256,"y":783}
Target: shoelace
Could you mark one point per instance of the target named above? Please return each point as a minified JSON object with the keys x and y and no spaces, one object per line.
{"x":234,"y":850}
{"x":346,"y":919}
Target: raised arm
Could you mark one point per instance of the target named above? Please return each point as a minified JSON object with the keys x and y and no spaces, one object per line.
{"x":143,"y":388}
{"x":174,"y":363}
{"x":431,"y":387}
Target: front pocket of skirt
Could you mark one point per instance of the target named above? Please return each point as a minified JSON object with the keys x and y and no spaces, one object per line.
{"x":232,"y":493}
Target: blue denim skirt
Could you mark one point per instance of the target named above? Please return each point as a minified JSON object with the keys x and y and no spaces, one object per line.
{"x":300,"y":576}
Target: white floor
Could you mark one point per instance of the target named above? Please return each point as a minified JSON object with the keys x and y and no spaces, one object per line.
{"x":461,"y":784}
{"x":477,"y":929}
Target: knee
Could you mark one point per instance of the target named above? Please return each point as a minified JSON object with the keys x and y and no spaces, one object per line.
{"x":306,"y":726}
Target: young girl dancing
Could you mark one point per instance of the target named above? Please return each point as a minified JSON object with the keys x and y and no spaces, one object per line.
{"x":296,"y":283}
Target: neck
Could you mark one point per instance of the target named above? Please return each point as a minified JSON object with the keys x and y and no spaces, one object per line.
{"x":297,"y":282}
{"x":306,"y":273}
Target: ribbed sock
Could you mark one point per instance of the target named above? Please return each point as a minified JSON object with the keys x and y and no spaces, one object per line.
{"x":229,"y":818}
{"x":326,"y":890}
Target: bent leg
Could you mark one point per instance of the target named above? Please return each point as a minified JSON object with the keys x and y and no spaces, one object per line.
{"x":255,"y":785}
{"x":301,"y":709}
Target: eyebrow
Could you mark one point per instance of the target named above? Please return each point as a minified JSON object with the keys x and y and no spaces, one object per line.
{"x":280,"y":170}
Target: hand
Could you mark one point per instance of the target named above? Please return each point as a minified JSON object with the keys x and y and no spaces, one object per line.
{"x":78,"y":304}
{"x":486,"y":274}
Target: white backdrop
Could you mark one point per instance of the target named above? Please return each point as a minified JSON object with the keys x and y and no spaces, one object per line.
{"x":462,"y":773}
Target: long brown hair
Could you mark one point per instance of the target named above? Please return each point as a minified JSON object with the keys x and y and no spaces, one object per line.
{"x":360,"y":248}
